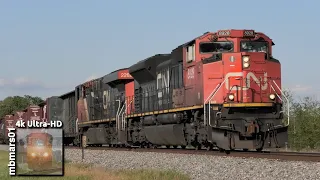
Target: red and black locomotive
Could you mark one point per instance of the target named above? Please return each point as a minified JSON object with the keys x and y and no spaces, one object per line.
{"x":221,"y":89}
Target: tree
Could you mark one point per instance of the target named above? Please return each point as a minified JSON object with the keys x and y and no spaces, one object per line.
{"x":33,"y":100}
{"x":15,"y":103}
{"x":304,"y":128}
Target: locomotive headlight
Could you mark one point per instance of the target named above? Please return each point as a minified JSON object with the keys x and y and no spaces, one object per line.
{"x":245,"y":59}
{"x":231,"y":97}
{"x":33,"y":154}
{"x":246,"y":65}
{"x":272,"y":96}
{"x":45,"y":154}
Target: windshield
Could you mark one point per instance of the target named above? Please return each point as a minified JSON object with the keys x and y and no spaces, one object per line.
{"x":254,"y":46}
{"x":211,"y":47}
{"x":37,"y":142}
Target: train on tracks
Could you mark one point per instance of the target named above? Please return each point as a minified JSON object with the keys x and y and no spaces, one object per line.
{"x":39,"y":150}
{"x":221,"y":89}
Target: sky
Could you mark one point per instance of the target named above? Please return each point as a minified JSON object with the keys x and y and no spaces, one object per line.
{"x":49,"y":47}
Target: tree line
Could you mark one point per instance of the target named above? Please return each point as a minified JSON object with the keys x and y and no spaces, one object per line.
{"x":12,"y":104}
{"x":304,"y":128}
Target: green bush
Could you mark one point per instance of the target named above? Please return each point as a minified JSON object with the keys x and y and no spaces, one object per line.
{"x":304,"y":128}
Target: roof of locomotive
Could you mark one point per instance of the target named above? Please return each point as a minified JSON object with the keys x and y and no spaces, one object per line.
{"x":204,"y":34}
{"x":67,"y":94}
{"x":149,"y":62}
{"x":113,"y":76}
{"x":164,"y":64}
{"x":118,"y":70}
{"x":145,"y":70}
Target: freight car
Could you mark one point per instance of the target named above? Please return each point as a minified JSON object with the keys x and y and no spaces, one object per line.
{"x":33,"y":112}
{"x":6,"y":122}
{"x":63,"y":108}
{"x":3,"y":136}
{"x":69,"y":116}
{"x":54,"y":108}
{"x":221,"y":89}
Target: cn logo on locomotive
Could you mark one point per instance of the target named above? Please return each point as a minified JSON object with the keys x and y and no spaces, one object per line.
{"x":261,"y":83}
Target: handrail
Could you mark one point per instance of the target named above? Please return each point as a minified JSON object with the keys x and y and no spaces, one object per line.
{"x":212,"y":98}
{"x":212,"y":94}
{"x":204,"y":105}
{"x":123,"y":119}
{"x":77,"y":125}
{"x":120,"y":114}
{"x":287,"y":100}
{"x":117,"y":119}
{"x":122,"y":122}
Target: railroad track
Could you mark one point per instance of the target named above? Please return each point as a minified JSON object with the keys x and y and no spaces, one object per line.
{"x":287,"y":156}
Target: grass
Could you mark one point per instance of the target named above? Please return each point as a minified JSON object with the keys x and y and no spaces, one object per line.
{"x":88,"y":172}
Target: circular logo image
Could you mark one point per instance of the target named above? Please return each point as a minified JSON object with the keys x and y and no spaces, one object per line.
{"x":232,"y":58}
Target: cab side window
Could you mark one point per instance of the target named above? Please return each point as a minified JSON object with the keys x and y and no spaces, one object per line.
{"x":191,"y":53}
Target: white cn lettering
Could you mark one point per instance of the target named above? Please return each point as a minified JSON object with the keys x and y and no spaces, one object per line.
{"x":106,"y":99}
{"x":263,"y":84}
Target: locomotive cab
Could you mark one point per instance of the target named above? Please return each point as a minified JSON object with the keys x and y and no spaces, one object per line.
{"x":241,"y":88}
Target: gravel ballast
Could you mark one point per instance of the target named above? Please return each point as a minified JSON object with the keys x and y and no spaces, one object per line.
{"x":200,"y":167}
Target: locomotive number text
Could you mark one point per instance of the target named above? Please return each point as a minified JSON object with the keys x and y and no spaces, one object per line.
{"x":125,"y":75}
{"x":191,"y":73}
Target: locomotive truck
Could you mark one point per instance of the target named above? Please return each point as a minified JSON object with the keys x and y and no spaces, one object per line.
{"x":221,"y":89}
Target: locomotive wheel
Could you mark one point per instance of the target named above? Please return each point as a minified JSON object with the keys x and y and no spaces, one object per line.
{"x":183,"y":147}
{"x":168,"y":147}
{"x":259,"y":149}
{"x":75,"y":144}
{"x":147,"y":146}
{"x":225,"y":151}
{"x":210,"y":147}
{"x":245,"y":150}
{"x":198,"y":147}
{"x":175,"y":147}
